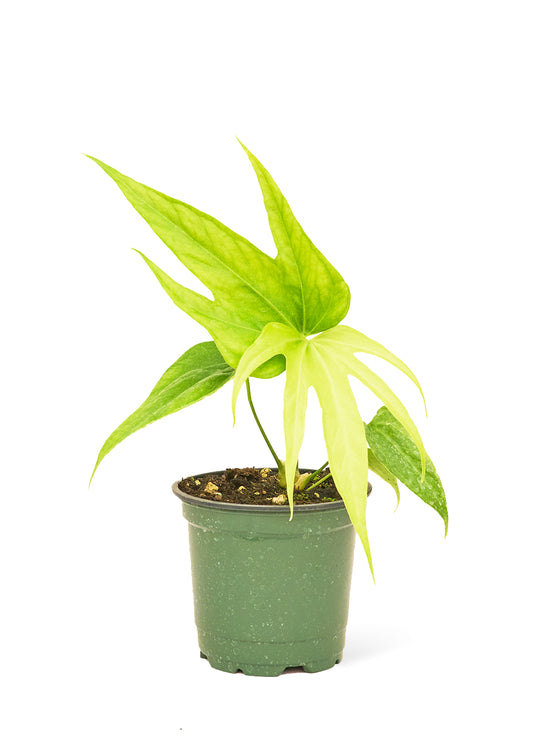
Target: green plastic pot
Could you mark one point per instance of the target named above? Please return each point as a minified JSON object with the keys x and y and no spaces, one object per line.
{"x":269,"y":593}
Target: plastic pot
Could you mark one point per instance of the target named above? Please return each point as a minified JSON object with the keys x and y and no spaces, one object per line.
{"x":269,"y":593}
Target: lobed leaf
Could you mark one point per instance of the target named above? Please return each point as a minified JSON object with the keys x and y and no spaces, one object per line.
{"x":318,"y":290}
{"x":394,"y":447}
{"x":226,"y":329}
{"x":197,"y":373}
{"x":299,"y":288}
{"x":346,"y":341}
{"x":311,"y":364}
{"x":389,"y":398}
{"x":325,"y":362}
{"x":355,"y":341}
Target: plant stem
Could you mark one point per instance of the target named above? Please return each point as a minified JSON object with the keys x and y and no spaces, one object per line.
{"x":317,"y":472}
{"x":308,"y":489}
{"x":256,"y":418}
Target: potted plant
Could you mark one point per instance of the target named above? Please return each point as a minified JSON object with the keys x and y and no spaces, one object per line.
{"x":272,"y":549}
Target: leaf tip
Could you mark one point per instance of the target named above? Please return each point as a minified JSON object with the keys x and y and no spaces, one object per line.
{"x":96,"y":160}
{"x":290,"y":496}
{"x":93,"y":473}
{"x":396,"y":489}
{"x":234,"y":403}
{"x":366,"y":547}
{"x":143,"y":256}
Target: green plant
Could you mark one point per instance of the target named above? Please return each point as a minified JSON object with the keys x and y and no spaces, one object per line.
{"x":269,"y":315}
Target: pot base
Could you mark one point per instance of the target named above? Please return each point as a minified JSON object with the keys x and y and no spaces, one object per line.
{"x":255,"y":669}
{"x":255,"y":658}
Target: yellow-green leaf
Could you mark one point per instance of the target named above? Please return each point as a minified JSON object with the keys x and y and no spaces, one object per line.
{"x":299,"y":288}
{"x":346,"y":341}
{"x":344,"y":434}
{"x":294,"y":408}
{"x":197,"y":373}
{"x":355,"y":341}
{"x":325,"y":362}
{"x":309,"y":276}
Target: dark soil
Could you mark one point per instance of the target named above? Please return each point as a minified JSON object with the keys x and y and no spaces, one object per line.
{"x":255,"y":486}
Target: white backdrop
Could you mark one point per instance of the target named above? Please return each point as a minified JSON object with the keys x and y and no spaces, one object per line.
{"x":400,"y":133}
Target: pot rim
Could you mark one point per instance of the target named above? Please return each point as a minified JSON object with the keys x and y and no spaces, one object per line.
{"x":250,"y":508}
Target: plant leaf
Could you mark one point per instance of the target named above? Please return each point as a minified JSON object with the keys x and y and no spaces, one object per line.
{"x":325,"y":362}
{"x":312,"y":364}
{"x":250,"y":289}
{"x":346,"y":342}
{"x":218,"y":322}
{"x":375,"y":465}
{"x":389,"y":398}
{"x":318,"y":290}
{"x":344,"y":434}
{"x":273,"y":340}
{"x":197,"y":373}
{"x":294,"y":409}
{"x":393,"y":446}
{"x":278,"y":338}
{"x":356,"y":341}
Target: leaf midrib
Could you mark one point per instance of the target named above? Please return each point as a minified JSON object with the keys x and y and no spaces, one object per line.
{"x":192,"y":372}
{"x":185,"y":391}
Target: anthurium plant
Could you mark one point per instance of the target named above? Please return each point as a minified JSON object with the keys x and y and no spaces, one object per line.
{"x":271,"y":315}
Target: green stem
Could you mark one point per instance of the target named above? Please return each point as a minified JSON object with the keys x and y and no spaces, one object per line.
{"x":308,"y":489}
{"x":317,"y":472}
{"x":256,"y":418}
